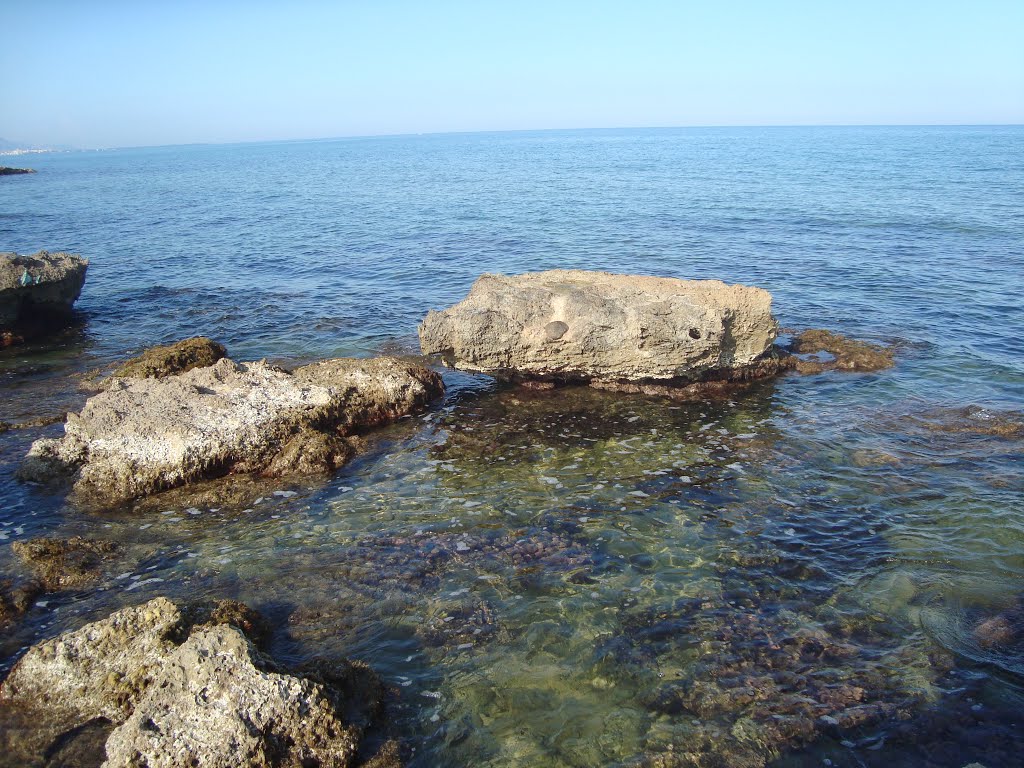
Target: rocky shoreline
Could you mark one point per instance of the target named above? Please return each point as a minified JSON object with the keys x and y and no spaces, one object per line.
{"x":165,"y":683}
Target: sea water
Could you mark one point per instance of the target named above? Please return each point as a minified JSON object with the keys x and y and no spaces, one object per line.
{"x":794,"y":573}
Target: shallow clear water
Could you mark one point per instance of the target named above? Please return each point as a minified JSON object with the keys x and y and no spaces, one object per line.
{"x":575,"y":578}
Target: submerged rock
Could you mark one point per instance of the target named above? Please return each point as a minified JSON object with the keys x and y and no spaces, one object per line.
{"x":145,"y":435}
{"x":160,"y":361}
{"x":601,"y":328}
{"x":16,"y":597}
{"x":37,"y":292}
{"x":65,"y":563}
{"x":847,"y":354}
{"x":182,"y":687}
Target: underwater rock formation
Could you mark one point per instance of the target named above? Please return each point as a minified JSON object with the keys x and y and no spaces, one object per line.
{"x":145,"y":435}
{"x":602,"y":328}
{"x":167,"y":360}
{"x":65,"y":563}
{"x":37,"y":292}
{"x":180,"y":687}
{"x":847,"y":354}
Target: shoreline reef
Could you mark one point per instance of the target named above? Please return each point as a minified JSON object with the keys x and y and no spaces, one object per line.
{"x":184,"y":413}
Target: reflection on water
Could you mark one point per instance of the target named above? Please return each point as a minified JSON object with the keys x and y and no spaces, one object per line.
{"x":575,"y":578}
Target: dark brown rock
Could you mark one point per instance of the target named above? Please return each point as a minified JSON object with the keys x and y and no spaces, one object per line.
{"x":157,"y":362}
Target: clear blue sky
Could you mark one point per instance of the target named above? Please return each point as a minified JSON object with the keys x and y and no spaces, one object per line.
{"x":111,"y":73}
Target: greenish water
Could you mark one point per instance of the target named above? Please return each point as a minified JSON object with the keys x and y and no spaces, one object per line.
{"x":794,"y":574}
{"x":576,"y":578}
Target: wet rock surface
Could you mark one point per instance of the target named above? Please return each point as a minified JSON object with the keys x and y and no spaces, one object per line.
{"x":37,"y":293}
{"x":8,"y":171}
{"x":572,"y":325}
{"x":166,"y":686}
{"x":146,"y":435}
{"x":167,"y":360}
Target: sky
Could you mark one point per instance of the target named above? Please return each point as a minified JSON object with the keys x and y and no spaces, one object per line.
{"x":107,"y":73}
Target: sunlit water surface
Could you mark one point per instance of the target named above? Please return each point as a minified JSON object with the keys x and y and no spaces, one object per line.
{"x":794,"y":573}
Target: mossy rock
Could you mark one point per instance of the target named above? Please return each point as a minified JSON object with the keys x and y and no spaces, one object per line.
{"x":168,"y":360}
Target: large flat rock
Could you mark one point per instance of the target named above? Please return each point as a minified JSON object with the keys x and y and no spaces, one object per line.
{"x":145,"y":435}
{"x":597,"y":327}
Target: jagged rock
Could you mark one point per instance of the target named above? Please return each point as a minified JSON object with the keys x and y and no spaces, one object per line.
{"x":65,"y":563}
{"x":170,"y":686}
{"x":211,"y":704}
{"x":144,"y":435}
{"x":601,"y":328}
{"x":37,"y":292}
{"x":160,"y":361}
{"x":99,"y":670}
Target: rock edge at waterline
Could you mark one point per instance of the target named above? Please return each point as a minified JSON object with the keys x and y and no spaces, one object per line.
{"x":37,"y":292}
{"x":144,"y":435}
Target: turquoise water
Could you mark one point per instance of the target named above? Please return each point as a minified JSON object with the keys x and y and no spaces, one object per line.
{"x":792,"y":574}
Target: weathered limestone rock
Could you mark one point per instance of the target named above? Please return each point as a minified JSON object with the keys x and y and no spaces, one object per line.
{"x":167,"y":686}
{"x":167,"y":360}
{"x":37,"y":291}
{"x":144,"y":435}
{"x":99,"y":670}
{"x":601,"y":328}
{"x":212,"y":705}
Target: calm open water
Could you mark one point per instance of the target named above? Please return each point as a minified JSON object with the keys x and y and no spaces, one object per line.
{"x":794,"y":574}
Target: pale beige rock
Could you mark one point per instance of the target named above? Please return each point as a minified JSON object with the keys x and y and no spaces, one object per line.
{"x":144,"y":435}
{"x":603,"y":328}
{"x":211,"y":705}
{"x":99,"y":670}
{"x":180,"y":687}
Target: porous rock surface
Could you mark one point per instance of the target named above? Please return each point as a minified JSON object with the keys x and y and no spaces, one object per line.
{"x":38,"y":287}
{"x":144,"y":435}
{"x":179,"y":689}
{"x":597,"y":327}
{"x":211,"y":705}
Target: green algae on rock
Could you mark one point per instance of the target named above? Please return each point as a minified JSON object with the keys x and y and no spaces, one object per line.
{"x":145,"y":435}
{"x":167,"y":360}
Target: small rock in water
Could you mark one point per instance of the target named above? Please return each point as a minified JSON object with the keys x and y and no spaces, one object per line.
{"x":285,"y":494}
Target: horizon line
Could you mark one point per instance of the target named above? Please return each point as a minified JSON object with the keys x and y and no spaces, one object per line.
{"x":407,"y":134}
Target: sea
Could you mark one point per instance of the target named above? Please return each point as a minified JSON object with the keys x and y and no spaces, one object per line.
{"x":807,"y":572}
